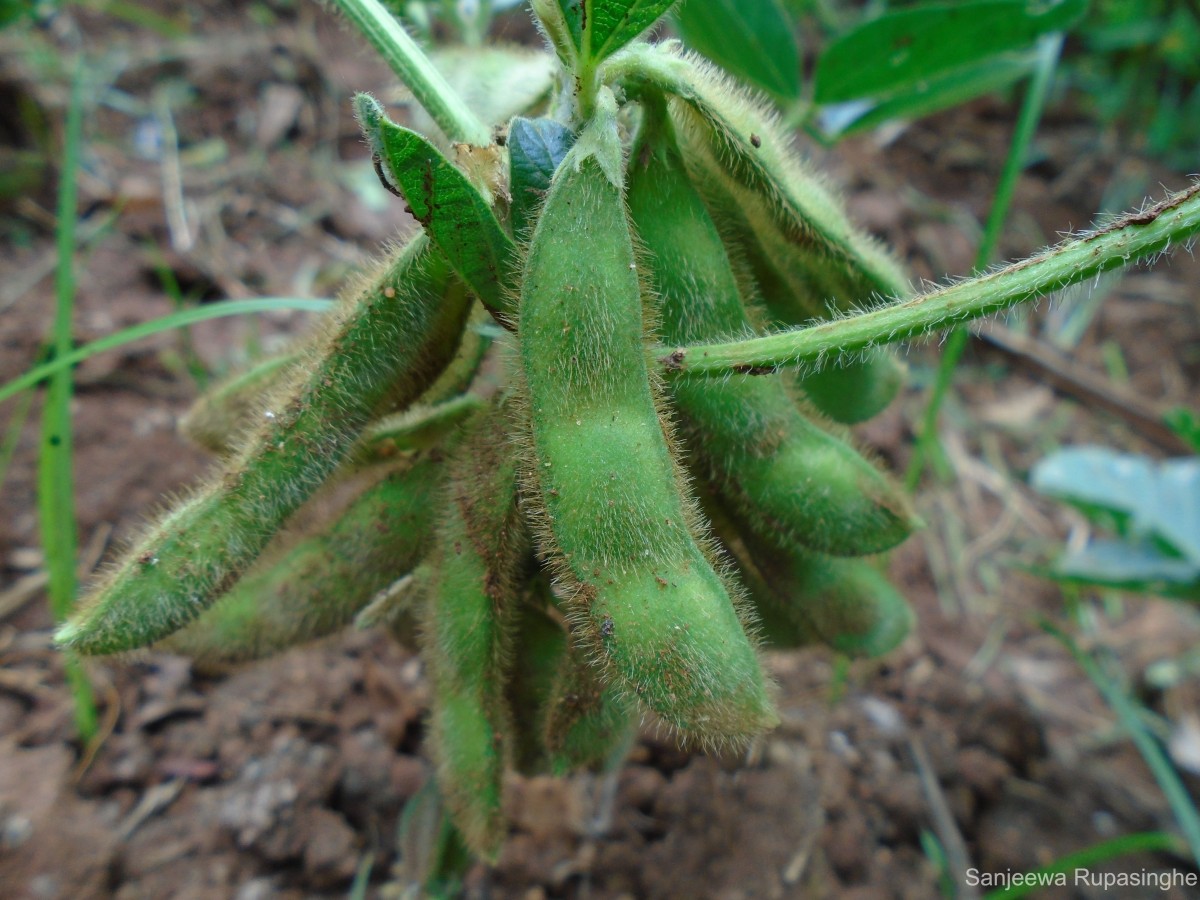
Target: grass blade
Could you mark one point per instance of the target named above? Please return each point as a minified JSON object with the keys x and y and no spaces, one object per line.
{"x":1142,"y":842}
{"x":1130,"y":715}
{"x":55,"y":487}
{"x":64,"y":361}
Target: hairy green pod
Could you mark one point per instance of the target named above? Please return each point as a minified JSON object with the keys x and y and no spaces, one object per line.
{"x":313,"y":586}
{"x":856,"y":391}
{"x":441,"y":409}
{"x":565,"y":718}
{"x":804,"y":597}
{"x":820,"y":263}
{"x":380,"y":350}
{"x":542,"y":642}
{"x":459,"y":375}
{"x":218,"y":420}
{"x":587,"y":724}
{"x":846,"y":604}
{"x":796,"y":481}
{"x":644,"y":597}
{"x":467,"y":629}
{"x":744,"y":139}
{"x":849,"y":391}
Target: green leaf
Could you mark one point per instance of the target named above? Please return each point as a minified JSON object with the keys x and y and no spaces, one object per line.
{"x":599,"y":28}
{"x":1138,"y":567}
{"x":1185,"y":423}
{"x":12,"y":10}
{"x":453,"y":211}
{"x":896,"y":51}
{"x":535,"y":148}
{"x":574,"y":13}
{"x":752,"y":39}
{"x":614,"y":23}
{"x":1160,"y":500}
{"x":937,"y":93}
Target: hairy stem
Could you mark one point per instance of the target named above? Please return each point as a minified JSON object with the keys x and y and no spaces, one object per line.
{"x":1132,"y":237}
{"x":419,"y":75}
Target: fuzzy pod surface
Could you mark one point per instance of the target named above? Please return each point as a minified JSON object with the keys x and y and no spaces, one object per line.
{"x":317,"y":585}
{"x":588,"y":724}
{"x":613,"y":519}
{"x":382,"y":348}
{"x":531,"y":674}
{"x":793,"y":479}
{"x":803,"y":597}
{"x":468,"y":619}
{"x":848,"y":391}
{"x":818,"y":263}
{"x":221,"y":416}
{"x":847,"y":604}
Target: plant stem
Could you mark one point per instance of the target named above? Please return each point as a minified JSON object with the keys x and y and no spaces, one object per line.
{"x":1031,"y":111}
{"x":414,"y":68}
{"x":1132,"y":237}
{"x":56,"y":490}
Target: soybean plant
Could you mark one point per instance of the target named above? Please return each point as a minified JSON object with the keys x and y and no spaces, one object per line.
{"x":656,"y":485}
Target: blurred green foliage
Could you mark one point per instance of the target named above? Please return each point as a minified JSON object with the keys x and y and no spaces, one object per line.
{"x":1136,"y":66}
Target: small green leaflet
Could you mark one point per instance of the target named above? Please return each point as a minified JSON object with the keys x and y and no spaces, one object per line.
{"x":938,"y":92}
{"x":1154,"y":505}
{"x":899,"y":50}
{"x":1140,"y":567}
{"x":535,"y":148}
{"x":575,"y":14}
{"x":599,"y":28}
{"x":455,"y":215}
{"x":752,"y":39}
{"x":1159,"y":501}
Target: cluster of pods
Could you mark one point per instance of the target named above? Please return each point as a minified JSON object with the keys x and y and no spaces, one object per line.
{"x":489,"y":452}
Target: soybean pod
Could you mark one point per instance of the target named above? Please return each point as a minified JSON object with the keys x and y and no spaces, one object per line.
{"x":803,"y":597}
{"x":467,"y":628}
{"x":223,"y":416}
{"x":564,"y":717}
{"x":783,"y":213}
{"x":220,"y":418}
{"x":383,"y":347}
{"x":846,"y":390}
{"x":607,"y":496}
{"x":744,"y":139}
{"x":314,"y":585}
{"x":587,"y":724}
{"x":529,"y":680}
{"x":794,"y":480}
{"x":846,"y":604}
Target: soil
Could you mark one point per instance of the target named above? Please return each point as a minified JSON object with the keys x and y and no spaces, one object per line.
{"x":227,"y":158}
